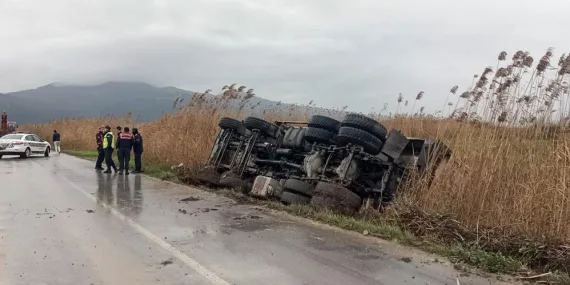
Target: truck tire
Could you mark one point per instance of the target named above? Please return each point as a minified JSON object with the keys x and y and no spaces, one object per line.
{"x":366,"y":124}
{"x":370,"y":143}
{"x":325,"y":123}
{"x":232,"y":124}
{"x":336,"y":198}
{"x":315,"y":135}
{"x":298,"y":187}
{"x":289,"y":198}
{"x":253,"y":123}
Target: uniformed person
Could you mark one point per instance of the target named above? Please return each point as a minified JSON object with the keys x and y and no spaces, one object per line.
{"x":108,"y":144}
{"x":137,"y":150}
{"x":4,"y":121}
{"x":100,"y":149}
{"x":124,"y":147}
{"x":119,"y":131}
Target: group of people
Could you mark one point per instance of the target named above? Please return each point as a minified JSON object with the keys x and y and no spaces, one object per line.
{"x":124,"y":144}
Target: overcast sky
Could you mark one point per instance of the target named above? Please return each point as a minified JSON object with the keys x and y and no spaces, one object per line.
{"x":358,"y":53}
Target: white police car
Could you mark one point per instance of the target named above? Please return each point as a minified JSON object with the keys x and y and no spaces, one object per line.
{"x":23,"y":144}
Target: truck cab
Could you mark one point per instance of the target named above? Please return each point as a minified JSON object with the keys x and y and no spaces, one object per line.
{"x":12,"y":127}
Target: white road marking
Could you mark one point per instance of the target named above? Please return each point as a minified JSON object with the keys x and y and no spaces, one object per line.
{"x":200,"y":269}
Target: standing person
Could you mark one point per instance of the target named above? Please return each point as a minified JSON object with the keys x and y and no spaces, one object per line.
{"x":119,"y":131}
{"x":100,"y":149}
{"x":56,"y":138}
{"x":124,"y":147}
{"x":108,"y":144}
{"x":138,"y":150}
{"x":4,"y":122}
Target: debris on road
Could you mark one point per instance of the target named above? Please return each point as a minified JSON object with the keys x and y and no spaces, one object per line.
{"x":406,"y":259}
{"x":167,"y":262}
{"x":199,"y":210}
{"x":247,"y":217}
{"x":190,"y":199}
{"x":90,"y":211}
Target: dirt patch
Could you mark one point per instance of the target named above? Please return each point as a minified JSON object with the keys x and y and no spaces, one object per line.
{"x":167,"y":262}
{"x":50,"y":215}
{"x":247,"y":217}
{"x":406,"y":259}
{"x":199,"y":210}
{"x":190,"y":199}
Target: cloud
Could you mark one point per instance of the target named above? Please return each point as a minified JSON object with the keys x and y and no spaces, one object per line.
{"x":361,"y":53}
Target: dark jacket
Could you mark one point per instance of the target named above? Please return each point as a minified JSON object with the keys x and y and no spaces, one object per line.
{"x":138,"y":144}
{"x":56,"y":137}
{"x":99,"y":139}
{"x":125,"y":141}
{"x":118,"y":136}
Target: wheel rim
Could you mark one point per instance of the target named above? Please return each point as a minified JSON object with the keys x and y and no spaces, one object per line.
{"x":28,"y":152}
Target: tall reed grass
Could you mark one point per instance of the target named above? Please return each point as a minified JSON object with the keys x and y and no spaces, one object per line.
{"x":511,"y":152}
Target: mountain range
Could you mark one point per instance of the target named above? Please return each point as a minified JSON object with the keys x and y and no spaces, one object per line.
{"x":144,"y":101}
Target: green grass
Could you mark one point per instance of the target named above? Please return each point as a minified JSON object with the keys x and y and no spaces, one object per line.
{"x":369,"y":224}
{"x":152,"y":170}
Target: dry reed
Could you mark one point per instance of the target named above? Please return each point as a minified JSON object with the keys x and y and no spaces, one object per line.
{"x":511,"y":156}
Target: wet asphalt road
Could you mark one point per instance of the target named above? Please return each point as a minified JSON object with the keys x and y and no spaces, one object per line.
{"x":61,"y":222}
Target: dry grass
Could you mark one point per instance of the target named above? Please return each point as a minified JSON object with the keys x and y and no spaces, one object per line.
{"x":508,"y":172}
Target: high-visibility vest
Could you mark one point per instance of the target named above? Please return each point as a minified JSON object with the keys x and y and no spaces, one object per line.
{"x":106,"y":142}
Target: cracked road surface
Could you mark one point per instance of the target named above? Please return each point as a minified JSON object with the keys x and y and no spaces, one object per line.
{"x":61,"y":222}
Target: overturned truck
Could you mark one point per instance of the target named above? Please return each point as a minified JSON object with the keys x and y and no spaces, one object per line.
{"x":339,"y":165}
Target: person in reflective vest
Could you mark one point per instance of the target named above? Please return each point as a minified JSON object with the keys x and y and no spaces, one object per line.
{"x":108,"y":144}
{"x":124,"y":147}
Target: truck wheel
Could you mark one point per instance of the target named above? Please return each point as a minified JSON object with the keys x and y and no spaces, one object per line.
{"x":232,"y":124}
{"x":366,"y":124}
{"x":336,"y":198}
{"x":292,"y":198}
{"x":253,"y":123}
{"x":315,"y":135}
{"x":370,"y":143}
{"x":298,"y":187}
{"x":325,"y":123}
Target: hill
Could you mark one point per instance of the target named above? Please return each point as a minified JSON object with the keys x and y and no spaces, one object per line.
{"x":55,"y":101}
{"x":144,"y":101}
